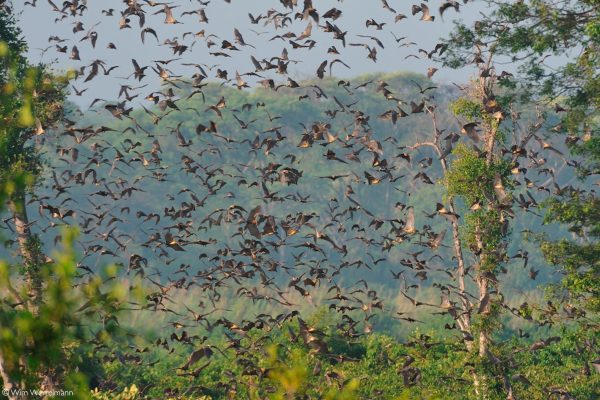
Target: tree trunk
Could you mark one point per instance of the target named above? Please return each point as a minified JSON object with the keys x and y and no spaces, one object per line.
{"x":30,"y":251}
{"x":484,"y":294}
{"x":33,"y":258}
{"x":464,"y":319}
{"x":7,"y":383}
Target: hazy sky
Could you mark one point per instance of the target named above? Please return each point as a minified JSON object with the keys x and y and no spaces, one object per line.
{"x":39,"y":23}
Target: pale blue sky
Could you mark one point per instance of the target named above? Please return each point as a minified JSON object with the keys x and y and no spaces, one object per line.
{"x":38,"y":23}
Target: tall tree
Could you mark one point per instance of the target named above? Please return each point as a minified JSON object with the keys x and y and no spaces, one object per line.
{"x":31,"y":99}
{"x":40,"y":312}
{"x":32,"y":102}
{"x":479,"y":173}
{"x":556,"y":45}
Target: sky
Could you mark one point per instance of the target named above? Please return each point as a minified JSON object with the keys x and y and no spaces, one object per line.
{"x":38,"y":23}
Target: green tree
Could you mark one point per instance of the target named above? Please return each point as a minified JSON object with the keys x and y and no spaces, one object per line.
{"x":44,"y":308}
{"x":32,"y":101}
{"x":477,"y":177}
{"x":556,"y":46}
{"x":31,"y":98}
{"x":536,"y":36}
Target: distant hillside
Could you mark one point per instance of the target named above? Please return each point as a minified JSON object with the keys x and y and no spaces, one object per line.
{"x":249,"y":144}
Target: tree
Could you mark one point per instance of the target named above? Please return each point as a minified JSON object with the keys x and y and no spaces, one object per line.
{"x":479,"y":173}
{"x":31,"y":103}
{"x":31,"y":99}
{"x":536,"y":36}
{"x":45,"y":306}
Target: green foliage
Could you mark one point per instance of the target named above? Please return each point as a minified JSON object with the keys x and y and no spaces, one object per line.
{"x":129,"y":393}
{"x":442,"y":370}
{"x":591,"y":150}
{"x":487,"y":226}
{"x":467,"y":108}
{"x":528,"y":33}
{"x":547,"y":28}
{"x":488,"y":322}
{"x":31,"y":100}
{"x":470,"y":177}
{"x":581,"y":267}
{"x":56,"y":338}
{"x":581,"y":211}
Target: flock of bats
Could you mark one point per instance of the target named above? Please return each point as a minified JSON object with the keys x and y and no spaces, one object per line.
{"x":283,"y":244}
